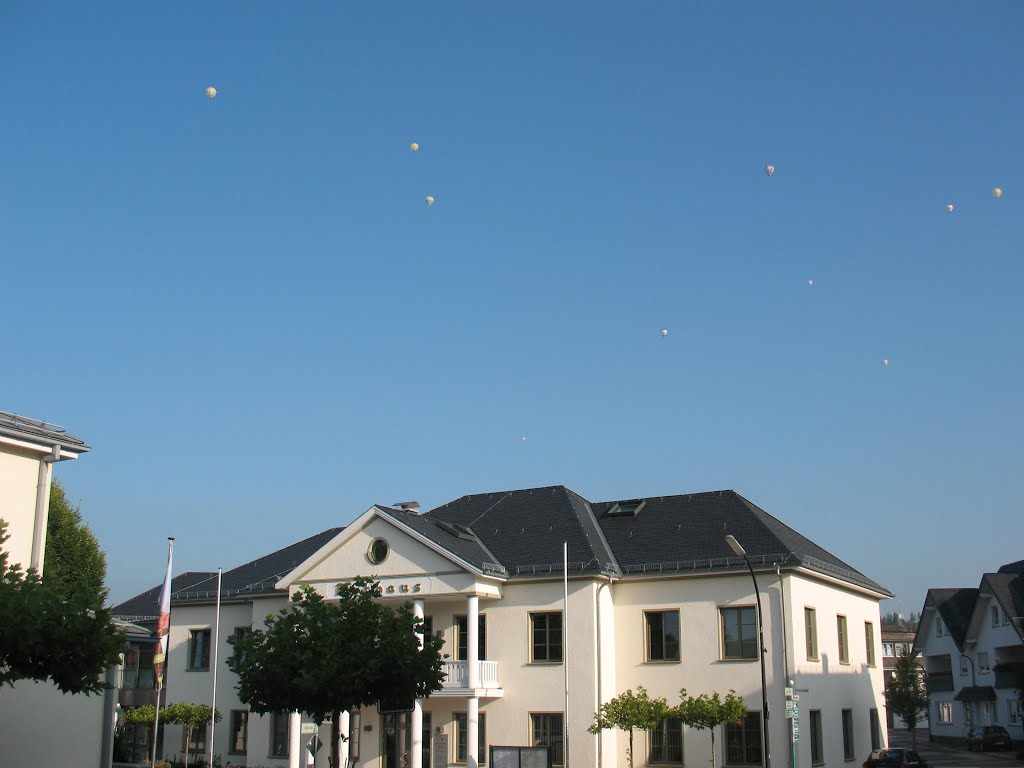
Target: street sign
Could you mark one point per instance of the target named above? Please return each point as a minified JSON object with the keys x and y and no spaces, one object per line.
{"x":789,"y":691}
{"x":796,"y":725}
{"x":308,"y":728}
{"x":796,"y":697}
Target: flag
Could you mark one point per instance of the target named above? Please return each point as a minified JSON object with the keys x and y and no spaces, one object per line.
{"x":163,"y":623}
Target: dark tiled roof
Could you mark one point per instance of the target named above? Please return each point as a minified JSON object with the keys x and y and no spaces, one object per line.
{"x":471,"y":550}
{"x":1008,"y":590}
{"x":1015,"y":567}
{"x":147,"y":605}
{"x":955,"y":605}
{"x":524,"y":530}
{"x":36,"y":431}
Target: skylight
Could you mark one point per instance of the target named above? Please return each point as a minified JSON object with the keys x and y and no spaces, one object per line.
{"x":627,"y":508}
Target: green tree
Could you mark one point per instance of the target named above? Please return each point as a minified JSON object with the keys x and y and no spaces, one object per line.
{"x":189,"y":716}
{"x":325,"y":657}
{"x":141,"y":715}
{"x":50,"y":634}
{"x":74,"y":562}
{"x":905,"y":695}
{"x":708,"y":712}
{"x":628,"y":712}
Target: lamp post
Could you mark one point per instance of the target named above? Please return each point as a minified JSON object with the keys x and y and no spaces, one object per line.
{"x":735,"y":546}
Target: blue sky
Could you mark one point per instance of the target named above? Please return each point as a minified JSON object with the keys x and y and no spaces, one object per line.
{"x":246,"y":308}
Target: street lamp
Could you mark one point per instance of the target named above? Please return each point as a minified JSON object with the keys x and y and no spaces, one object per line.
{"x":739,"y":550}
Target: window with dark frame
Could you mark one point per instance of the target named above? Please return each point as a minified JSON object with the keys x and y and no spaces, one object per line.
{"x":817,"y":752}
{"x":547,"y":729}
{"x":279,"y":734}
{"x":848,"y":734}
{"x":743,"y":741}
{"x":869,"y":642}
{"x":811,"y":633}
{"x":546,"y":637}
{"x":739,"y":633}
{"x":876,"y":729}
{"x":197,"y":742}
{"x":662,"y":635}
{"x":198,"y":649}
{"x":844,"y":640}
{"x":462,"y":638}
{"x":239,"y":731}
{"x":460,"y":738}
{"x":666,"y":742}
{"x":355,"y":725}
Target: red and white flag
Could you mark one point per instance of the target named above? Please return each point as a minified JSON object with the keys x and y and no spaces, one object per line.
{"x":163,"y":623}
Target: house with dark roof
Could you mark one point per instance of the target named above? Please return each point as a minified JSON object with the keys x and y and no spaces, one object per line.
{"x":971,"y":641}
{"x":536,"y":587}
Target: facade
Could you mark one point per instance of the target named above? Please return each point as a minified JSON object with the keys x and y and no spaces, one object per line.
{"x":971,"y":641}
{"x":28,"y":451}
{"x":655,"y":597}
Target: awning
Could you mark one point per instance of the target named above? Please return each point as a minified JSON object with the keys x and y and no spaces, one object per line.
{"x":976,"y":693}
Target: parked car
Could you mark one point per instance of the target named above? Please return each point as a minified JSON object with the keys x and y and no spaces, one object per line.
{"x":988,"y":737}
{"x":895,"y":758}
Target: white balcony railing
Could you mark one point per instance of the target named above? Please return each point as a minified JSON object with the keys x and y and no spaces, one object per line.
{"x":457,"y":674}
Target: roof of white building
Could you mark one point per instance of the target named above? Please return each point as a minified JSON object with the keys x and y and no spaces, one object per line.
{"x":36,"y":432}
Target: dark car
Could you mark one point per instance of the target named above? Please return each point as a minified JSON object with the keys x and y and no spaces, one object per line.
{"x":894,"y":758}
{"x":989,"y":737}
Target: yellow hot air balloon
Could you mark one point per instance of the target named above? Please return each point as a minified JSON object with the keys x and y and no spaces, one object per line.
{"x":211,"y":92}
{"x":997,"y":192}
{"x":414,"y":147}
{"x":430,"y":200}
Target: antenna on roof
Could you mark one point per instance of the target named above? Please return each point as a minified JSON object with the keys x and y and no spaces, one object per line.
{"x":408,"y":506}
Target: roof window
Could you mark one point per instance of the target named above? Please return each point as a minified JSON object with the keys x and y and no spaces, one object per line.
{"x":627,"y":508}
{"x":455,"y":529}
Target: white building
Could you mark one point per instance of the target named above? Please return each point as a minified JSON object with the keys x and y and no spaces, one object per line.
{"x":656,"y":598}
{"x":31,"y":712}
{"x":971,"y":641}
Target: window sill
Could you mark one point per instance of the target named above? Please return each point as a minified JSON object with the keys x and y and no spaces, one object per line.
{"x":197,"y":669}
{"x":734,"y":661}
{"x":664,"y":661}
{"x":546,"y":664}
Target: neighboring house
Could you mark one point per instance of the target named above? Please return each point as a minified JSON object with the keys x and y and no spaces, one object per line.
{"x":29,"y":710}
{"x":656,"y":598}
{"x":896,"y":640}
{"x":972,"y":645}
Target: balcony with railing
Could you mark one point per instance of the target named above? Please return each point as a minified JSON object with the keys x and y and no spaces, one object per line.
{"x":939,"y":682}
{"x":456,"y":680}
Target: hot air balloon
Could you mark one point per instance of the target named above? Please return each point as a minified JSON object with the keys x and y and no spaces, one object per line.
{"x":885,"y":362}
{"x":414,"y":147}
{"x":769,"y":169}
{"x":997,"y":192}
{"x":211,"y":92}
{"x":429,"y":199}
{"x":810,"y":282}
{"x":949,"y":208}
{"x":664,"y":331}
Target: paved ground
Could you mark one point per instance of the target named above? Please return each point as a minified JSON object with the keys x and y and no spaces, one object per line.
{"x":947,"y":756}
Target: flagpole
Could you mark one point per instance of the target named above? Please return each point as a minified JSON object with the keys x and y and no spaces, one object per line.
{"x":213,"y":697}
{"x":163,"y":626}
{"x":565,"y":649}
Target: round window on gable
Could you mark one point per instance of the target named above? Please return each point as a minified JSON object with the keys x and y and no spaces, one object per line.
{"x":378,"y":551}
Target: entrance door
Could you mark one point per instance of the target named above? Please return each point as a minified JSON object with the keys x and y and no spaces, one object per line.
{"x":396,"y":737}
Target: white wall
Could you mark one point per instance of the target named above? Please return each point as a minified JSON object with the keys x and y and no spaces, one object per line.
{"x":40,"y":726}
{"x":19,"y":474}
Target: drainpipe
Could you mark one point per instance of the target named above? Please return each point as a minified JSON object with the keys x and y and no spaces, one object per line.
{"x":42,"y":509}
{"x":600,"y":692}
{"x":785,"y":661}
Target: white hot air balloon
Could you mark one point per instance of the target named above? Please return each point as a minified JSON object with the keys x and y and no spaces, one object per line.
{"x":997,"y":192}
{"x":769,"y":169}
{"x":429,"y":200}
{"x":664,"y":331}
{"x":810,"y":282}
{"x":414,"y":147}
{"x":949,"y":208}
{"x":885,"y":362}
{"x":211,"y":92}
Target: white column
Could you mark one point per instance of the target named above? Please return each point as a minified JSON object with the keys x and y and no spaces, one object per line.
{"x":294,"y":740}
{"x":416,"y":721}
{"x":473,"y":668}
{"x":344,"y":730}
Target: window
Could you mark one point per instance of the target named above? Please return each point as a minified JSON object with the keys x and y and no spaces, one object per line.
{"x":460,"y":738}
{"x":279,"y":734}
{"x":666,"y":742}
{"x":1014,"y":711}
{"x":199,"y":649}
{"x":197,"y":742}
{"x":743,"y":741}
{"x":662,"y":635}
{"x":462,"y":637}
{"x":848,"y":734}
{"x":546,"y":634}
{"x":876,"y":729}
{"x":817,"y":753}
{"x":240,"y":634}
{"x":548,"y":730}
{"x":983,"y":665}
{"x":811,"y":633}
{"x":739,"y":633}
{"x":940,"y":630}
{"x":869,"y":641}
{"x":963,"y":665}
{"x":844,"y":640}
{"x":1006,"y":619}
{"x":378,"y":551}
{"x":239,"y":731}
{"x":995,"y":615}
{"x":944,"y":712}
{"x":355,"y":725}
{"x":887,"y":649}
